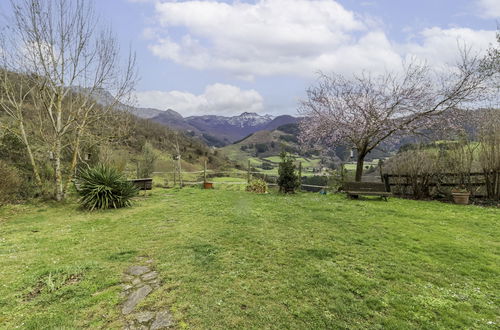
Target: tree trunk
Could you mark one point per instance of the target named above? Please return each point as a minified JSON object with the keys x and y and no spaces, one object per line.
{"x":58,"y":152}
{"x":74,"y":162}
{"x":38,"y":180}
{"x":58,"y":170}
{"x":359,"y":166}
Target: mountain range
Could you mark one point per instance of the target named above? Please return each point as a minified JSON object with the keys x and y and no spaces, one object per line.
{"x":214,"y":130}
{"x":218,"y":130}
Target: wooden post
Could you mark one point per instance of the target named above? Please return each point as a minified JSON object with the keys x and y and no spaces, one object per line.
{"x":180,"y":171}
{"x":248,"y":172}
{"x":205,"y":172}
{"x":380,"y":162}
{"x":175,"y":176}
{"x":385,"y":179}
{"x":300,"y":176}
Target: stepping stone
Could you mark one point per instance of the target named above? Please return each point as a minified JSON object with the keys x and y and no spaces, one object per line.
{"x":163,"y":320}
{"x":127,"y":278}
{"x":127,"y":287}
{"x":149,"y":276}
{"x":145,"y":317}
{"x":135,"y":298}
{"x":138,"y":270}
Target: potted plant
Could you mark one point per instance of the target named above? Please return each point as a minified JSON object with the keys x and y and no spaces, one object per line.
{"x":208,"y":185}
{"x":460,"y":195}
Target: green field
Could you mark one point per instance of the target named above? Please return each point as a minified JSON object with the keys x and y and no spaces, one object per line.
{"x":352,"y":165}
{"x":232,"y":259}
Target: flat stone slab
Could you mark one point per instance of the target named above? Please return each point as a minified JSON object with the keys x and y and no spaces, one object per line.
{"x":149,"y":276}
{"x":135,"y":298}
{"x":145,"y":317}
{"x":137,"y":283}
{"x":163,"y":320}
{"x":138,"y":270}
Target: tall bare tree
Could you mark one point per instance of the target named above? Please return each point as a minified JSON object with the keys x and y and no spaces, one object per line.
{"x":15,"y":93}
{"x":70,"y":59}
{"x":365,"y":110}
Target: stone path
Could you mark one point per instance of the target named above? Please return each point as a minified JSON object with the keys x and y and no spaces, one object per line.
{"x":138,"y":282}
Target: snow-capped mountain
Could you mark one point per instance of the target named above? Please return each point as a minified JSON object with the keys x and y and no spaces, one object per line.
{"x":221,"y":130}
{"x":249,"y":119}
{"x":214,"y":130}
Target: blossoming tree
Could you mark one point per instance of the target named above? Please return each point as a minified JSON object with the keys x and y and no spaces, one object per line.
{"x":364,"y":110}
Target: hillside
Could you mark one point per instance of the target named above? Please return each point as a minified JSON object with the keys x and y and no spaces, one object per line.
{"x":117,"y":138}
{"x":262,"y":150}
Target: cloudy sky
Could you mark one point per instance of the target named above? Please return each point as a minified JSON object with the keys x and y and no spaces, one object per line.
{"x":229,"y":56}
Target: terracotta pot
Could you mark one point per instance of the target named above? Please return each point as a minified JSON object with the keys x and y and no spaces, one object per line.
{"x":208,"y":185}
{"x":461,"y":198}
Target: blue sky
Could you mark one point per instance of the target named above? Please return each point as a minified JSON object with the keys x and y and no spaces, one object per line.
{"x":226,"y":57}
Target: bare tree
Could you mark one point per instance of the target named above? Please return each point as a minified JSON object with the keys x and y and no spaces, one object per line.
{"x":489,"y":151}
{"x":15,"y":93}
{"x":70,"y":59}
{"x":368,"y":109}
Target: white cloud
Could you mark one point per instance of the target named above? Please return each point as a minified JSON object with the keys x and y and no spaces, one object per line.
{"x":489,"y":8}
{"x":440,"y":47}
{"x":266,"y":38}
{"x":217,"y":99}
{"x":291,"y":37}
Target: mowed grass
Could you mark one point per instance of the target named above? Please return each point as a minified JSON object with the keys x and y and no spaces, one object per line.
{"x":232,"y":259}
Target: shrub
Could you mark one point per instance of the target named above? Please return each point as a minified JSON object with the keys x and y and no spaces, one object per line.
{"x":261,"y":147}
{"x":10,"y":183}
{"x":257,"y":186}
{"x":147,"y":163}
{"x":418,"y":169}
{"x":103,"y":187}
{"x":288,"y":180}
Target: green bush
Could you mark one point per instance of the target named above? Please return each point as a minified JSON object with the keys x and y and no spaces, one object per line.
{"x":257,"y":186}
{"x":103,"y":187}
{"x":147,"y":163}
{"x":10,"y":183}
{"x":288,"y":180}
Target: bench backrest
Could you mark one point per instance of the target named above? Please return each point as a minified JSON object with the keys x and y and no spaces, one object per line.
{"x":143,"y":184}
{"x":365,"y":186}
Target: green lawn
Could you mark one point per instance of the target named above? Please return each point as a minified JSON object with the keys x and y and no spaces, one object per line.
{"x":232,"y":259}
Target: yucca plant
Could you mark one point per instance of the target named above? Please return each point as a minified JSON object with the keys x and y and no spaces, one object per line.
{"x":104,"y":187}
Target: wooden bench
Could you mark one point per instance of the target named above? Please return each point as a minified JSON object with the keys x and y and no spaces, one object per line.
{"x":143,"y":184}
{"x":354,"y":189}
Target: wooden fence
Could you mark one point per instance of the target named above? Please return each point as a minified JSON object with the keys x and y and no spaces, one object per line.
{"x":481,"y":184}
{"x":191,"y":178}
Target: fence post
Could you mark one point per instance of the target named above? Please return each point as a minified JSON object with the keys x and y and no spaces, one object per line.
{"x":300,"y":175}
{"x":175,"y":176}
{"x":205,"y":172}
{"x":180,"y":172}
{"x":385,"y":178}
{"x":248,"y":172}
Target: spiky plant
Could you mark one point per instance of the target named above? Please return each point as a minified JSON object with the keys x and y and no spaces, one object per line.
{"x":104,"y":187}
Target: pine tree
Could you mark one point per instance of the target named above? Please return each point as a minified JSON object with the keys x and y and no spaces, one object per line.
{"x":288,"y":181}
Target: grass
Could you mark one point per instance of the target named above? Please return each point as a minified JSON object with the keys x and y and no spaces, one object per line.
{"x":352,"y":165}
{"x":231,"y":259}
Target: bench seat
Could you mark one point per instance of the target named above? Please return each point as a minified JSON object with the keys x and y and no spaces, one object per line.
{"x":354,"y":189}
{"x":367,"y":193}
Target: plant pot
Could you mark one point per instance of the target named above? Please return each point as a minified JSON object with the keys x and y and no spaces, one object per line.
{"x":461,"y":198}
{"x":208,"y":185}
